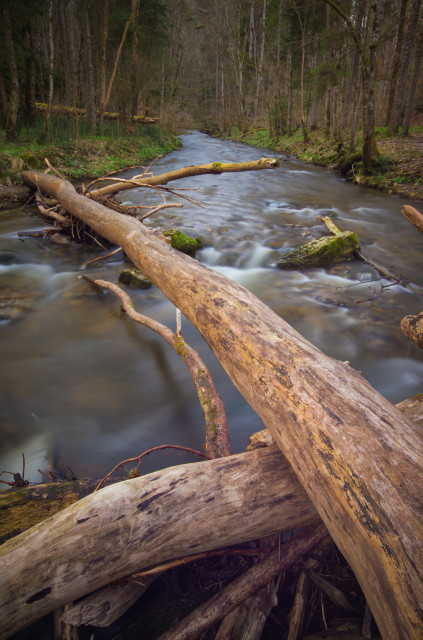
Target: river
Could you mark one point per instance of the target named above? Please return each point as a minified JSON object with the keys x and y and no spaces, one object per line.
{"x":82,"y":384}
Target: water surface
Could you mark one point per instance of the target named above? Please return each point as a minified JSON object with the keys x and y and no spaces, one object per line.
{"x":82,"y":384}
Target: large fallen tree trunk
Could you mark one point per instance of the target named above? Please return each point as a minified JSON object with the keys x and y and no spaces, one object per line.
{"x":143,"y":522}
{"x":359,"y":459}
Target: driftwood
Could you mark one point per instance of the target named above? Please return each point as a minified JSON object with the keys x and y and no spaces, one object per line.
{"x":144,"y":522}
{"x":357,"y":456}
{"x":413,"y":216}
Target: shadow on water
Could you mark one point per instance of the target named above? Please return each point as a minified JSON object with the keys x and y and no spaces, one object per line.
{"x":80,"y":383}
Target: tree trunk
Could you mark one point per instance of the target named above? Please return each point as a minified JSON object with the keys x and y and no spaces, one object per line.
{"x":144,"y":522}
{"x":88,"y":72}
{"x":12,"y":115}
{"x":400,"y":18}
{"x":414,"y":81}
{"x":357,"y":456}
{"x":103,"y":61}
{"x":404,"y":71}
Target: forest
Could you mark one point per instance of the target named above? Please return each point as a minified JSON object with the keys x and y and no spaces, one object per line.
{"x":280,"y":64}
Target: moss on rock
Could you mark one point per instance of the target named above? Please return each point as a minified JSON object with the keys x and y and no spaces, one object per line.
{"x":321,"y":253}
{"x":134,"y":279}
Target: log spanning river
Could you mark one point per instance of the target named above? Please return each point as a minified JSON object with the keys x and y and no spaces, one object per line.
{"x":82,"y":384}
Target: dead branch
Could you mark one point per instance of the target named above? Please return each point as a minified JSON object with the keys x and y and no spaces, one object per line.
{"x":241,"y":588}
{"x":137,"y":459}
{"x":214,"y":168}
{"x":216,"y":424}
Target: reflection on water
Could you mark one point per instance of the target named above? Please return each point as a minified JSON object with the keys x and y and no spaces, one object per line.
{"x":82,"y":384}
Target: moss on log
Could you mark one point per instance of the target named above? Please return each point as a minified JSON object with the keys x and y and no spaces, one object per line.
{"x":322,"y":252}
{"x":23,"y":508}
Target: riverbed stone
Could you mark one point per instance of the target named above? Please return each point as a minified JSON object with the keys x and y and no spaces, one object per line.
{"x":322,"y":252}
{"x":134,"y":279}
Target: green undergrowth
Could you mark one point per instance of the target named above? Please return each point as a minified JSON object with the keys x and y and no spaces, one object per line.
{"x":397,"y":169}
{"x":84,"y":157}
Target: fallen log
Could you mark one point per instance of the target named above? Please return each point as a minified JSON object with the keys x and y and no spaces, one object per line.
{"x":215,"y":168}
{"x":248,"y":583}
{"x":412,"y":327}
{"x":357,"y":456}
{"x":413,"y":216}
{"x":143,"y":522}
{"x":75,"y":112}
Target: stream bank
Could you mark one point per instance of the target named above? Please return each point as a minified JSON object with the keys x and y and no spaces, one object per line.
{"x":81,"y":157}
{"x":398,"y":169}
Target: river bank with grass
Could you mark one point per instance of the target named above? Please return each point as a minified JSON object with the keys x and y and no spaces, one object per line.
{"x":78,"y":156}
{"x":397,"y":170}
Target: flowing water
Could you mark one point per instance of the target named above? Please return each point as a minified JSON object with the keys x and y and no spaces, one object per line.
{"x":82,"y":384}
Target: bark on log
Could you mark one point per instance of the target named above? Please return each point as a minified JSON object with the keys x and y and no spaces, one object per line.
{"x":412,"y":327}
{"x":359,"y":459}
{"x":143,"y":522}
{"x":215,"y":168}
{"x":102,"y":607}
{"x":413,"y":216}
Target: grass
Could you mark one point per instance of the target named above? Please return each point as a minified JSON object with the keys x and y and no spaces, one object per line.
{"x":397,"y":170}
{"x":82,"y":155}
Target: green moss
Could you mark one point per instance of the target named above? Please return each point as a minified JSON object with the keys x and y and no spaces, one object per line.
{"x":181,"y":242}
{"x":134,"y":279}
{"x":322,"y":252}
{"x":180,"y":346}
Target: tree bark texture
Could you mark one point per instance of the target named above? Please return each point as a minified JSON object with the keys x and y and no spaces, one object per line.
{"x":214,"y":168}
{"x":357,"y":456}
{"x":412,"y":327}
{"x":413,"y":216}
{"x":143,"y":522}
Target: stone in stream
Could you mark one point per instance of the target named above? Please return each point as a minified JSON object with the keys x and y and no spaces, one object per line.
{"x":134,"y":279}
{"x":322,"y":252}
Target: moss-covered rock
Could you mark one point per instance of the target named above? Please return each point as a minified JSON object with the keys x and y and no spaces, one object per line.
{"x":181,"y":242}
{"x":321,"y":253}
{"x":134,"y":279}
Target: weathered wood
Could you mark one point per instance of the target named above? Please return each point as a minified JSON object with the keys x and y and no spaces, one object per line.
{"x":248,"y":619}
{"x":102,"y":607}
{"x":359,"y":459}
{"x":143,"y":522}
{"x":248,"y":583}
{"x":413,"y":216}
{"x":23,"y":508}
{"x":215,"y":168}
{"x":412,"y":327}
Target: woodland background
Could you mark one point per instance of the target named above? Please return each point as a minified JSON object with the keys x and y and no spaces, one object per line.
{"x":281,"y":64}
